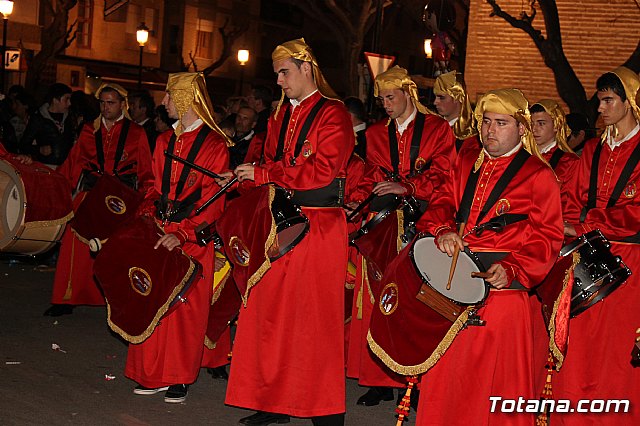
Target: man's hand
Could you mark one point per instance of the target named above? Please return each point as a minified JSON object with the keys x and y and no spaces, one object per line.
{"x":226,"y":177}
{"x":349,"y":207}
{"x":219,"y":263}
{"x":24,"y":159}
{"x":570,"y":230}
{"x":448,"y":242}
{"x":498,"y":278}
{"x":245,"y":172}
{"x":384,"y":188}
{"x":169,"y":241}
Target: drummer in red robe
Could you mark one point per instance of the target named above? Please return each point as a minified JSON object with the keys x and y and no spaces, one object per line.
{"x":288,"y":354}
{"x":597,"y":364}
{"x":424,"y":145}
{"x":494,"y":359}
{"x":550,"y":130}
{"x":170,"y":359}
{"x":74,"y":283}
{"x":452,"y":103}
{"x":24,"y":159}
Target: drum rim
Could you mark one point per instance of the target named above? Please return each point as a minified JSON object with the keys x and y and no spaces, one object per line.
{"x":469,"y":253}
{"x":14,"y":173}
{"x":294,"y":242}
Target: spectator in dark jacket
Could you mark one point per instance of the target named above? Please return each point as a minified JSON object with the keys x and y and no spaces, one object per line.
{"x":141,"y":109}
{"x":50,"y":132}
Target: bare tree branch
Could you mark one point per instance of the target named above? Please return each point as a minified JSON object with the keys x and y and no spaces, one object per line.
{"x":229,"y":36}
{"x":524,"y":25}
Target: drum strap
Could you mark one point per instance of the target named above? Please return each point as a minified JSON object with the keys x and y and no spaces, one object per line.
{"x":459,"y":143}
{"x":166,"y":173}
{"x":304,"y":131}
{"x":119,"y":149}
{"x":555,"y":158}
{"x":632,"y":162}
{"x":593,"y":183}
{"x":418,"y":128}
{"x":470,"y":188}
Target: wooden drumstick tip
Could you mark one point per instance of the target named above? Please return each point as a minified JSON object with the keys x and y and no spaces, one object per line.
{"x":454,"y":258}
{"x":481,"y":274}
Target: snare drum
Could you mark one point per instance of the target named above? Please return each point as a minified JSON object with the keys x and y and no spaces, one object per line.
{"x":142,"y":284}
{"x":599,"y":272}
{"x":415,"y":317}
{"x":35,"y":206}
{"x":291,"y":224}
{"x":433,"y":267}
{"x":383,"y":206}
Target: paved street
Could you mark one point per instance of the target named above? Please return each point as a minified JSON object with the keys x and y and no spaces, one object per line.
{"x":42,"y":386}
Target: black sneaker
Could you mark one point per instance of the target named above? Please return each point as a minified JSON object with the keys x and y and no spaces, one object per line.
{"x":262,"y":418}
{"x":141,"y":390}
{"x":176,"y":394}
{"x":219,"y":373}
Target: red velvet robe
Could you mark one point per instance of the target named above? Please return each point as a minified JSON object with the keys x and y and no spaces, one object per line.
{"x":288,"y":354}
{"x":174,"y":352}
{"x":496,"y":359}
{"x":597,"y":363}
{"x":565,"y":170}
{"x":73,"y":283}
{"x":438,"y":146}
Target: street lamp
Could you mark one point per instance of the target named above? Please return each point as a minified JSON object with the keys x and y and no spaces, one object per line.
{"x":427,"y":48}
{"x":243,"y":58}
{"x":6,"y":7}
{"x":142,"y":36}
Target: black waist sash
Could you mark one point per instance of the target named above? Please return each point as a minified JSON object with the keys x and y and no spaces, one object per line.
{"x":488,"y":258}
{"x":331,"y":195}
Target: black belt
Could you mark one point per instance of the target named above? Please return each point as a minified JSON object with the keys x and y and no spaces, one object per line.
{"x":331,"y":195}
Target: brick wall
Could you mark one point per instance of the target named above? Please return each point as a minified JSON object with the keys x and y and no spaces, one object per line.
{"x":597,"y":35}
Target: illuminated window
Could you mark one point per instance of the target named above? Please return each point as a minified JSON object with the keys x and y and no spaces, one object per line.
{"x":85,"y":18}
{"x":204,"y":44}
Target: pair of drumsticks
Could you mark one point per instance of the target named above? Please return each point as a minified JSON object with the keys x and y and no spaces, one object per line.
{"x":454,"y":261}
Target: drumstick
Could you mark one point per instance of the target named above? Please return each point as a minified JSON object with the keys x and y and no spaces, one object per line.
{"x":454,"y":258}
{"x":361,"y":206}
{"x":481,"y":274}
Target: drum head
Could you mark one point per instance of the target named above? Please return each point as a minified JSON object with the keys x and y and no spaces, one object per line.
{"x":433,"y":266}
{"x":12,"y":199}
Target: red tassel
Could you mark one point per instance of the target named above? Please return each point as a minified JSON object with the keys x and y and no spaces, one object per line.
{"x":405,"y":404}
{"x":542,"y":418}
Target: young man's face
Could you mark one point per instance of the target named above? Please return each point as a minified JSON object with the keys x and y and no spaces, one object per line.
{"x":291,"y":79}
{"x":612,"y":109}
{"x":543,"y":130}
{"x":111,"y":105}
{"x":447,"y":107}
{"x":62,"y":104}
{"x":170,"y":106}
{"x":395,"y":102}
{"x":500,"y":133}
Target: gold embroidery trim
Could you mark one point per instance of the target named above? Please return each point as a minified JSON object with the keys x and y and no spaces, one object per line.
{"x":161,"y":312}
{"x":266,"y":265}
{"x":48,"y":223}
{"x":410,"y":370}
{"x":553,"y":347}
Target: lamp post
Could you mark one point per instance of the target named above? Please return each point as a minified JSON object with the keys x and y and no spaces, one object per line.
{"x":142,"y":36}
{"x":6,"y":7}
{"x":428,"y":52}
{"x":243,"y":58}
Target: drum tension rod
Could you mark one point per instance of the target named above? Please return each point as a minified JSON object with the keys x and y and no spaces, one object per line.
{"x":474,"y":320}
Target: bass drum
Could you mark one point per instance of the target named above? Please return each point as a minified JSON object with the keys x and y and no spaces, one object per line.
{"x":35,"y":206}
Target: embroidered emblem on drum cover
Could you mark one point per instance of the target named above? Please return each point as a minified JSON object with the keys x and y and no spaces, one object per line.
{"x":630,"y":190}
{"x":502,"y":206}
{"x":116,"y":205}
{"x":420,"y":163}
{"x":191,"y":180}
{"x":240,"y":252}
{"x":140,"y":280}
{"x":307,"y":150}
{"x":389,"y":299}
